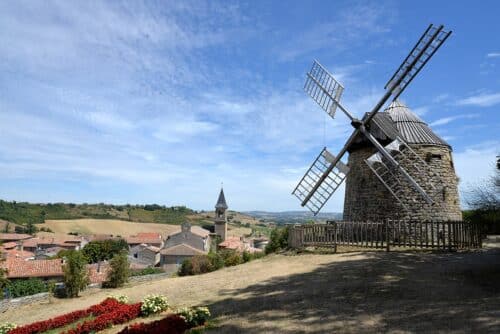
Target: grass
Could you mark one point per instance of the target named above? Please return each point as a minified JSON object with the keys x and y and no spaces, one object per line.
{"x":70,"y":326}
{"x":331,"y":293}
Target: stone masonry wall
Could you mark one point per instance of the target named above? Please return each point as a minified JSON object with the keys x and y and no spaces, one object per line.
{"x":367,"y":199}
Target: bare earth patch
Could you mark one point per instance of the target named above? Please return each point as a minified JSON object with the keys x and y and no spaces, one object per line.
{"x":342,"y":293}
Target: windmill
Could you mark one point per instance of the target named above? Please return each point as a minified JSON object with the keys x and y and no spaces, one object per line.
{"x":403,"y":172}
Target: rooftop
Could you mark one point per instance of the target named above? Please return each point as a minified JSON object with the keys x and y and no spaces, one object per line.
{"x":221,"y":201}
{"x":19,"y":268}
{"x":181,"y":249}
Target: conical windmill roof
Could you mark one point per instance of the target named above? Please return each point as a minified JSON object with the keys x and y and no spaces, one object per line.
{"x":221,"y":201}
{"x":411,"y":127}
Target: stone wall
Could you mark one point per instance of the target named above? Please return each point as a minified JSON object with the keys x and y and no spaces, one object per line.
{"x":17,"y":302}
{"x":366,"y":198}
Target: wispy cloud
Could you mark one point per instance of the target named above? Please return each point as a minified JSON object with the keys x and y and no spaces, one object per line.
{"x":493,"y":55}
{"x":481,"y":100}
{"x":446,"y":120}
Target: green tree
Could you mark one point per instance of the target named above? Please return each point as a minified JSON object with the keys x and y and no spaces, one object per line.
{"x":75,"y":273}
{"x":278,"y":240}
{"x":30,"y":227}
{"x":119,"y":272}
{"x":101,"y":250}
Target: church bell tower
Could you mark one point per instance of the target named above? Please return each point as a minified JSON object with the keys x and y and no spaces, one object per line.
{"x":220,"y":216}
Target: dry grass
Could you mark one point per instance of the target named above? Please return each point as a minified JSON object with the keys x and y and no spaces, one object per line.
{"x":347,"y":293}
{"x":106,"y":226}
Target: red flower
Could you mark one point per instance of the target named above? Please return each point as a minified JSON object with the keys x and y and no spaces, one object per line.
{"x":171,"y":324}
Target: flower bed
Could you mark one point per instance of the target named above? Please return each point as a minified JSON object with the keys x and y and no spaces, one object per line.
{"x":171,"y":324}
{"x":119,"y":315}
{"x":107,"y":305}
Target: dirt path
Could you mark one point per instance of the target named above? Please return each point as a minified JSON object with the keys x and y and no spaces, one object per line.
{"x":353,"y":292}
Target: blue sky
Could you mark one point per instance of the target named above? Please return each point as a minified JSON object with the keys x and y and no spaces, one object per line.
{"x":131,"y":102}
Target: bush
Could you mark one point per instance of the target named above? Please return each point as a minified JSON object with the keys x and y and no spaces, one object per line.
{"x":119,"y":273}
{"x":122,"y":299}
{"x":231,"y":257}
{"x":7,"y":327}
{"x":216,"y":261}
{"x":153,"y":304}
{"x":196,"y":316}
{"x":75,"y":273}
{"x":20,"y":288}
{"x":147,"y":271}
{"x":278,"y":240}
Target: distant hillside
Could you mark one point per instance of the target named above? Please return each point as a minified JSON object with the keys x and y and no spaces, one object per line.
{"x":293,"y":217}
{"x":22,"y":212}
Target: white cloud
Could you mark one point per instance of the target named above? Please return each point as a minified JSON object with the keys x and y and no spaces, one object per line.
{"x":475,"y":164}
{"x":481,"y":100}
{"x":493,"y":55}
{"x":446,"y":120}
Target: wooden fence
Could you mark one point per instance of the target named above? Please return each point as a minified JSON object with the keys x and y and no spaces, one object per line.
{"x":449,"y":235}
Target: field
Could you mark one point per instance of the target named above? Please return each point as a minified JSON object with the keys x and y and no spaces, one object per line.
{"x":105,"y":226}
{"x":343,"y":293}
{"x":119,"y":227}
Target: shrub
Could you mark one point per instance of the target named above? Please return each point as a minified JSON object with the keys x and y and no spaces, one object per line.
{"x":278,"y":240}
{"x":216,"y":261}
{"x":195,"y":316}
{"x":171,"y":324}
{"x":7,"y":327}
{"x":20,"y":288}
{"x":75,"y":273}
{"x":186,"y":268}
{"x":119,"y":273}
{"x":153,"y":304}
{"x":231,"y":257}
{"x":122,"y":299}
{"x":147,"y":271}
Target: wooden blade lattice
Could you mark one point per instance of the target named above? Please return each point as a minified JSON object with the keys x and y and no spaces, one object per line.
{"x":318,"y":174}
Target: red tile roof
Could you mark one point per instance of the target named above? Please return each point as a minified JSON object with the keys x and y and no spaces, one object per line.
{"x":14,"y":236}
{"x":18,"y":254}
{"x":236,"y":243}
{"x":145,"y":238}
{"x":65,"y":242}
{"x":18,"y":268}
{"x":9,"y":245}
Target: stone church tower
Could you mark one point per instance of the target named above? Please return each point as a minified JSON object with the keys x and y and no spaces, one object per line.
{"x":367,"y":199}
{"x":220,"y":216}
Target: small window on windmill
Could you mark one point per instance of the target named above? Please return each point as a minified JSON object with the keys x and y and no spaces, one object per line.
{"x":444,"y":194}
{"x":432,"y":156}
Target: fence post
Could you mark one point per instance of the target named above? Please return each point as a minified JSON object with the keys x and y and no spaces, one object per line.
{"x":335,"y":237}
{"x":387,"y":247}
{"x":449,"y":236}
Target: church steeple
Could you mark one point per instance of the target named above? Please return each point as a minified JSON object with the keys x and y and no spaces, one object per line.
{"x":220,"y":216}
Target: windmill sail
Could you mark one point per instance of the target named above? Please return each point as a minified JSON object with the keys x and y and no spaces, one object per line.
{"x":410,"y":169}
{"x":320,"y":181}
{"x":425,"y":48}
{"x":323,"y":88}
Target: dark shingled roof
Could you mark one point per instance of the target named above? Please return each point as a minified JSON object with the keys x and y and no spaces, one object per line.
{"x":221,"y":202}
{"x":398,"y":120}
{"x":411,"y":128}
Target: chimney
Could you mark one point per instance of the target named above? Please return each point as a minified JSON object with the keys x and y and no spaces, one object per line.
{"x":21,"y":247}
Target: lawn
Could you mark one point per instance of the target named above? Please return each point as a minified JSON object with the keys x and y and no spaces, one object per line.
{"x":344,"y":293}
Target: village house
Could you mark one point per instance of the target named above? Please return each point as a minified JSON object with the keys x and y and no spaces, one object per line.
{"x":239,"y":244}
{"x":13,"y":237}
{"x":146,"y":255}
{"x":151,"y":239}
{"x":190,"y":241}
{"x":44,"y":242}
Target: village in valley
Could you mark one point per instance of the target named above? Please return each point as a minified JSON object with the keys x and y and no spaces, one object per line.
{"x":393,"y":227}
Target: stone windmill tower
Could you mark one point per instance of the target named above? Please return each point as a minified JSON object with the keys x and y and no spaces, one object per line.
{"x":220,"y":216}
{"x":366,"y":197}
{"x":397,"y":168}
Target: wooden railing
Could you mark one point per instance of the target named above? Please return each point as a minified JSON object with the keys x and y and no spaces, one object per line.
{"x":449,"y":235}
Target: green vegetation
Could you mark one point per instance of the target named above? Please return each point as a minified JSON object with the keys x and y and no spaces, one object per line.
{"x":278,"y":240}
{"x":147,"y":271}
{"x":75,"y":273}
{"x":101,"y":250}
{"x":484,"y":201}
{"x":20,"y":288}
{"x":201,"y":264}
{"x":29,"y":213}
{"x":120,"y":272}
